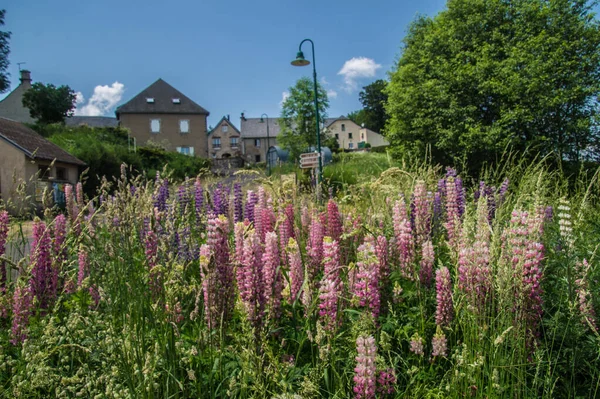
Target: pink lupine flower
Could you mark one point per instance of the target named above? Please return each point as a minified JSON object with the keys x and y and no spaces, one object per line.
{"x":364,"y":373}
{"x":366,"y":282}
{"x":82,"y":262}
{"x":416,"y":345}
{"x":386,"y":382}
{"x":404,"y":239}
{"x":249,"y":278}
{"x":238,"y":238}
{"x":272,"y":277}
{"x":4,"y":223}
{"x":444,"y":309}
{"x":79,"y":195}
{"x":305,"y":218}
{"x":334,"y":220}
{"x":427,"y":261}
{"x":22,"y":310}
{"x":439,"y":344}
{"x":258,"y":223}
{"x":218,"y":240}
{"x":584,"y":296}
{"x":314,"y":248}
{"x":422,"y":213}
{"x":268,"y":221}
{"x":382,"y":252}
{"x":296,"y":269}
{"x":452,"y":224}
{"x":60,"y":233}
{"x":532,"y":289}
{"x":331,"y":285}
{"x":44,"y":278}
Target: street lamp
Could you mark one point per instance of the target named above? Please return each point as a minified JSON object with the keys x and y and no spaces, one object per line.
{"x":267,"y":149}
{"x":301,"y":61}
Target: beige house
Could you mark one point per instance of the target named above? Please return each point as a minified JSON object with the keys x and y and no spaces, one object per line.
{"x":256,"y":139}
{"x":11,"y":106}
{"x":351,"y":136}
{"x":224,"y":141}
{"x":163,"y":115}
{"x":29,"y":160}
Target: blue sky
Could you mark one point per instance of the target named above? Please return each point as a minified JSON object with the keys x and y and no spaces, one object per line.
{"x":228,"y":56}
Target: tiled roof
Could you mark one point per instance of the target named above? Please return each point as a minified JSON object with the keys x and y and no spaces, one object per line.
{"x":219,"y":124}
{"x":253,"y":127}
{"x":92,"y":121}
{"x":162,"y":94}
{"x":32,"y":144}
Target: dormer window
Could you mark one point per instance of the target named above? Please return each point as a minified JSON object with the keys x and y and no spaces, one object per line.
{"x":176,"y":101}
{"x":150,"y":100}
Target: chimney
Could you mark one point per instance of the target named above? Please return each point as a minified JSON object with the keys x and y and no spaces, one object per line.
{"x":25,"y":78}
{"x":227,"y":116}
{"x":243,"y":117}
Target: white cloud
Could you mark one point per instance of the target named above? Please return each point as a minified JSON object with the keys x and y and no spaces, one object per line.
{"x":284,"y":96}
{"x":324,"y":81}
{"x":357,"y":68}
{"x":332,"y":94}
{"x":79,"y":98}
{"x":103,"y":100}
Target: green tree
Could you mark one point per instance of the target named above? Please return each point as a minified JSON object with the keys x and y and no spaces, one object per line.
{"x":48,"y":103}
{"x":4,"y":51}
{"x":297,"y":121}
{"x":358,"y":117}
{"x":486,"y":75}
{"x":373,"y":97}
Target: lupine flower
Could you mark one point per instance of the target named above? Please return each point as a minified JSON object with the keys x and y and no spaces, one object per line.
{"x":161,"y":197}
{"x":238,"y":206}
{"x":334,"y":221}
{"x":404,"y":239}
{"x":564,"y":223}
{"x":251,"y":201}
{"x":238,"y":238}
{"x":444,"y":309}
{"x":427,"y":261}
{"x":296,"y":269}
{"x":366,"y":282}
{"x":71,"y":205}
{"x":502,"y":191}
{"x":82,"y":262}
{"x":331,"y":284}
{"x":249,"y":278}
{"x":314,"y":248}
{"x":386,"y":382}
{"x":584,"y":296}
{"x":439,"y":344}
{"x":416,"y":345}
{"x":382,"y":252}
{"x":4,"y":223}
{"x":60,"y":233}
{"x":198,"y":199}
{"x":452,"y":224}
{"x":44,"y":278}
{"x":304,"y":218}
{"x":183,"y":197}
{"x":79,"y":194}
{"x":272,"y":277}
{"x":22,"y":310}
{"x":267,"y":221}
{"x":532,"y":289}
{"x":460,"y":196}
{"x":364,"y":373}
{"x":218,"y":233}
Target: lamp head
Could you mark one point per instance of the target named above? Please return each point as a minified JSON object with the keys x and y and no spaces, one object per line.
{"x":300,"y":60}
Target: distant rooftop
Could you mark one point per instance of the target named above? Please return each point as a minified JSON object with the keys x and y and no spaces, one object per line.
{"x":92,"y":121}
{"x":253,"y":127}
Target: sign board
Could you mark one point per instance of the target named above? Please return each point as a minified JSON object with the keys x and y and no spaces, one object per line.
{"x":310,"y":160}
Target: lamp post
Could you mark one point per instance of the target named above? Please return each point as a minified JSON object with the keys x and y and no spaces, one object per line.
{"x":267,"y":148}
{"x":301,"y":61}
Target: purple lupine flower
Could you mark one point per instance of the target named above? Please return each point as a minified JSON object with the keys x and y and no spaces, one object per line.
{"x":314,"y":248}
{"x":82,"y":263}
{"x":272,"y":277}
{"x":331,"y":285}
{"x":481,"y":191}
{"x":439,"y":344}
{"x":584,"y":296}
{"x":421,"y":213}
{"x":198,"y":199}
{"x":366,"y":281}
{"x":22,"y":310}
{"x":334,"y":220}
{"x":296,"y":269}
{"x":44,"y":278}
{"x":238,"y":206}
{"x":251,"y":201}
{"x":161,"y":198}
{"x":132,"y":190}
{"x":386,"y":382}
{"x":218,"y":233}
{"x":491,"y":203}
{"x":183,"y":197}
{"x":548,"y":213}
{"x":4,"y":223}
{"x":460,"y":196}
{"x":366,"y":368}
{"x":416,"y":345}
{"x":444,"y":310}
{"x":452,"y":224}
{"x":427,"y":261}
{"x":502,"y":191}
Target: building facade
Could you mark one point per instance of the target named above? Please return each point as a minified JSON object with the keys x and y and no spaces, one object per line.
{"x":351,"y":136}
{"x":11,"y":106}
{"x":163,"y":115}
{"x":224,"y":140}
{"x":258,"y":135}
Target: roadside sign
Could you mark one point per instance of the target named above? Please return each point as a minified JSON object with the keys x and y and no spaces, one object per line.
{"x":309,"y":160}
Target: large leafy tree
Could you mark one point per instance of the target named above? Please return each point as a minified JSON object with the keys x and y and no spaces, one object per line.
{"x":4,"y":51}
{"x":297,"y":121}
{"x":373,"y":97}
{"x":487,"y":75}
{"x":48,"y":103}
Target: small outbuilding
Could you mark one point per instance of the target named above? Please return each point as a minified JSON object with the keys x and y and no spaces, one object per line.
{"x":276,"y":156}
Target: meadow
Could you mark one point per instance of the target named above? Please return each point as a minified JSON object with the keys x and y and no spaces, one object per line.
{"x":411,"y":282}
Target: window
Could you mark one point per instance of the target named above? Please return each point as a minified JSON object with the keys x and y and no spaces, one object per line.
{"x":224,"y":128}
{"x":216,"y":142}
{"x":155,"y":125}
{"x":214,"y":154}
{"x":257,"y":158}
{"x":362,"y":136}
{"x":349,"y":135}
{"x":61,"y":174}
{"x":343,"y":127}
{"x":234,"y":141}
{"x":184,"y":126}
{"x":350,"y":145}
{"x":257,"y":144}
{"x":176,"y":101}
{"x":337,"y":136}
{"x":150,"y":100}
{"x":185,"y":150}
{"x":43,"y":172}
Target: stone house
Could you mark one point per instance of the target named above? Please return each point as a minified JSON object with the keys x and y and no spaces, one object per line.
{"x":30,"y":160}
{"x":255,"y":142}
{"x":163,"y":115}
{"x":11,"y":106}
{"x":224,"y":140}
{"x":351,"y":136}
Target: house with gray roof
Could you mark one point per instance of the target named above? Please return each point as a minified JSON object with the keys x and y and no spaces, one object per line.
{"x":224,"y":140}
{"x":163,"y":115}
{"x":91,"y":121}
{"x":11,"y":106}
